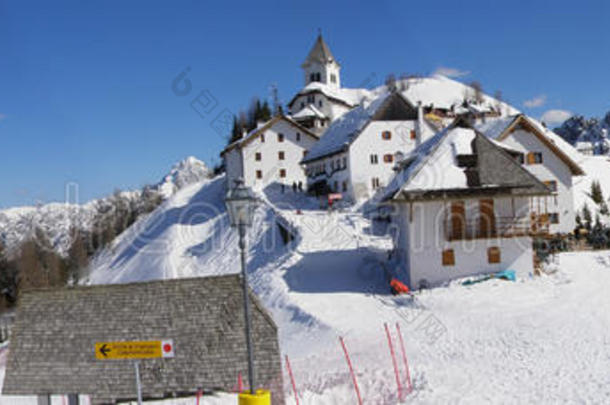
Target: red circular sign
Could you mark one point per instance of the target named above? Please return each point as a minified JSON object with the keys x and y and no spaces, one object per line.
{"x":167,"y":348}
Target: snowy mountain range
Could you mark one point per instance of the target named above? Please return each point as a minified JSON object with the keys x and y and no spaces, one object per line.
{"x":582,"y":132}
{"x":57,"y":220}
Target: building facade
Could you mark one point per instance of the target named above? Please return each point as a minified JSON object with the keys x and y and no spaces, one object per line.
{"x":541,"y":154}
{"x":269,"y":154}
{"x":461,"y":208}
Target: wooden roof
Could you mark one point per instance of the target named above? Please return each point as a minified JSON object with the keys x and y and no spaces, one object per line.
{"x":52,"y":344}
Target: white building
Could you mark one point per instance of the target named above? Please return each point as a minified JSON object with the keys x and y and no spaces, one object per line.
{"x":356,"y":155}
{"x":322,"y":98}
{"x":461,"y":208}
{"x":268,"y":154}
{"x":549,"y":158}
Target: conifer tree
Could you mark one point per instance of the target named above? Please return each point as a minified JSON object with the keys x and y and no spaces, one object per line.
{"x":596,"y":193}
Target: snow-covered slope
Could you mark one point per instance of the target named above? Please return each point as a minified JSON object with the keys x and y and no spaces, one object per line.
{"x":596,"y":168}
{"x":529,"y":341}
{"x":56,"y":220}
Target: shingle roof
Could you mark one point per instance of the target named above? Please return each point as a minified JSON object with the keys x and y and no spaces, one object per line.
{"x":435,"y":168}
{"x":320,"y":53}
{"x":499,"y":129}
{"x":52,"y":345}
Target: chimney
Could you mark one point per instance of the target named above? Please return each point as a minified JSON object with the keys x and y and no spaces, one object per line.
{"x":419,"y":128}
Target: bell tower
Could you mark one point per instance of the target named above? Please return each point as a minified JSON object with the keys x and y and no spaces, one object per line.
{"x":321,"y":66}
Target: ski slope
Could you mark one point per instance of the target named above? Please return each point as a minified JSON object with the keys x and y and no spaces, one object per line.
{"x":538,"y":340}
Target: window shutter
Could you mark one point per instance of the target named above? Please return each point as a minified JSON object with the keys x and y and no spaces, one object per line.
{"x":493,"y":255}
{"x":448,"y":257}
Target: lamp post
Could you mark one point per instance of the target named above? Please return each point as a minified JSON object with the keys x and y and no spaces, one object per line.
{"x":241,"y":204}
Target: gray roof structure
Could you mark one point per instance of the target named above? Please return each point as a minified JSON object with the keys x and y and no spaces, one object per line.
{"x":460,"y":161}
{"x":52,"y":346}
{"x":320,"y":53}
{"x":343,"y":131}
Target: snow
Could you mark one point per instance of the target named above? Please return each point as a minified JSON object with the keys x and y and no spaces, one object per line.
{"x":349,"y":96}
{"x":538,"y":340}
{"x":56,"y":220}
{"x":188,"y":171}
{"x":445,"y":93}
{"x":433,"y":165}
{"x":596,"y":169}
{"x":345,"y":129}
{"x":309,"y":110}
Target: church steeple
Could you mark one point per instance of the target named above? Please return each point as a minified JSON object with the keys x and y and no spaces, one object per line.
{"x":321,"y":65}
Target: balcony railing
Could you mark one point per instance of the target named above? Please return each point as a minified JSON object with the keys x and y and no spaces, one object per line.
{"x":458,"y":228}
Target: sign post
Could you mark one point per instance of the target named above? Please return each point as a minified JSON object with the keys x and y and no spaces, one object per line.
{"x":135,"y":350}
{"x":136,"y":365}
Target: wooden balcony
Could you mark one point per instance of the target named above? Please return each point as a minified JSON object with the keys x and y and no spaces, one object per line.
{"x":458,"y":228}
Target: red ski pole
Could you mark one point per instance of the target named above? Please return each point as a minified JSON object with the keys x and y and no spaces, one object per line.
{"x":387,"y":331}
{"x":294,"y":386}
{"x":351,"y":370}
{"x":404,"y":358}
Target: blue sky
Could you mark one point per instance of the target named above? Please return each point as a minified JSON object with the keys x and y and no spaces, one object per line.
{"x":86,"y":89}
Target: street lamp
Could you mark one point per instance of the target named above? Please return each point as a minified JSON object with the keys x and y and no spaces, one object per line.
{"x":241,"y":204}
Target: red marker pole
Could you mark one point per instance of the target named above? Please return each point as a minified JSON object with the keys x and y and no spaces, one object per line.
{"x":240,"y":384}
{"x":351,"y":370}
{"x":387,"y":331}
{"x":294,"y":386}
{"x":198,"y":396}
{"x":404,"y":359}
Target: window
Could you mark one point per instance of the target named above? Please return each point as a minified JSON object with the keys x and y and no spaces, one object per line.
{"x":448,"y":257}
{"x":318,"y":77}
{"x":259,"y":174}
{"x":338,"y":164}
{"x":311,"y":99}
{"x":520,"y":158}
{"x":388,"y":158}
{"x":552,"y":185}
{"x":262,"y":138}
{"x":554,"y":218}
{"x":282,"y":173}
{"x":257,"y":156}
{"x":534,"y":158}
{"x":302,"y":104}
{"x":312,"y":77}
{"x":374,"y":159}
{"x":332,"y":165}
{"x":344,"y":162}
{"x":386,"y":135}
{"x":280,"y":155}
{"x":336,"y":188}
{"x":493,"y":255}
{"x":333,"y":78}
{"x":298,"y":136}
{"x":280,"y":137}
{"x":344,"y":186}
{"x":413,"y":134}
{"x":375,"y":183}
{"x":320,"y":103}
{"x":304,"y":153}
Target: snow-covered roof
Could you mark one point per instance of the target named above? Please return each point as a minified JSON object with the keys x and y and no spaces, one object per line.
{"x":345,"y":129}
{"x":497,"y":129}
{"x":308,"y":111}
{"x":445,"y":93}
{"x":350,"y":97}
{"x":434,"y":166}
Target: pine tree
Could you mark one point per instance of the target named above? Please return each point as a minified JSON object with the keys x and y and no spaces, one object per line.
{"x":265,"y":112}
{"x":596,"y":193}
{"x":586,"y":214}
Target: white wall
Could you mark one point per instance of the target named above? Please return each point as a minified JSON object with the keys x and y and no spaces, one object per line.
{"x":325,"y":70}
{"x":270,"y":164}
{"x":422,"y":239}
{"x":552,"y":168}
{"x":329,"y":108}
{"x":370,"y":142}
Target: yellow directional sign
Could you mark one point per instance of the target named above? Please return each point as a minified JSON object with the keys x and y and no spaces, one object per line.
{"x":139,"y":349}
